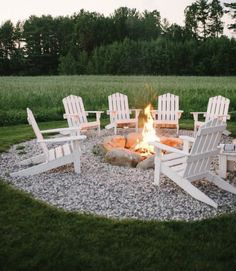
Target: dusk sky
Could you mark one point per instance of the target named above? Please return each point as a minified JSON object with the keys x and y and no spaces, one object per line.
{"x":15,"y":10}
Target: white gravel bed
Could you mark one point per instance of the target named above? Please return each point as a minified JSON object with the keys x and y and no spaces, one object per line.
{"x":114,"y":191}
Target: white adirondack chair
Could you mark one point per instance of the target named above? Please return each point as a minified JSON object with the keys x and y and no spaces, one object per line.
{"x":120,"y":113}
{"x":218,"y":107}
{"x":183,"y":167}
{"x":168,"y":112}
{"x":76,"y":115}
{"x":55,"y":157}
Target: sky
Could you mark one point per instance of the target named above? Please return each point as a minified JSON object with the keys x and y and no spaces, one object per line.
{"x":15,"y":10}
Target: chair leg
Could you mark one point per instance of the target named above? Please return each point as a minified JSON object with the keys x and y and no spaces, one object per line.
{"x":99,"y":130}
{"x":136,"y":126}
{"x":177,"y":126}
{"x":76,"y":155}
{"x":221,"y":183}
{"x":195,"y":130}
{"x":188,"y":187}
{"x":32,"y":170}
{"x":115,"y":129}
{"x":43,"y":167}
{"x":157,"y":163}
{"x":222,"y":166}
{"x":33,"y":160}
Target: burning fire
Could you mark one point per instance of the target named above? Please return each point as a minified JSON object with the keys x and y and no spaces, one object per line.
{"x":148,"y":134}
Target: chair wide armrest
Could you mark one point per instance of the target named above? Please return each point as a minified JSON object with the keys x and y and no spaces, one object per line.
{"x":71,"y":116}
{"x":94,"y":112}
{"x":109,"y":126}
{"x":180,"y":112}
{"x":59,"y":130}
{"x":167,"y":148}
{"x":187,"y":138}
{"x":98,"y":114}
{"x":195,"y":115}
{"x":224,"y":116}
{"x":62,"y":139}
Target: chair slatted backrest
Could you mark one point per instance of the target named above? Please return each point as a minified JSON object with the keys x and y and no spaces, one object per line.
{"x":118,"y":102}
{"x":74,"y":105}
{"x":205,"y":148}
{"x":217,"y":106}
{"x":168,"y":107}
{"x":39,"y":136}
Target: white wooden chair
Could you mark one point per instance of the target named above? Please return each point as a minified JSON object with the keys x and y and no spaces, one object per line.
{"x":120,"y":113}
{"x":55,"y":157}
{"x":76,"y":115}
{"x":167,"y":113}
{"x":218,"y":107}
{"x":183,"y":167}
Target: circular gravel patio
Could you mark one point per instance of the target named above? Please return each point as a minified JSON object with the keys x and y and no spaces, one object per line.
{"x":114,"y":191}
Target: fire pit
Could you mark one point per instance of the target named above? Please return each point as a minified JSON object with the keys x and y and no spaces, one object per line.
{"x":133,"y":150}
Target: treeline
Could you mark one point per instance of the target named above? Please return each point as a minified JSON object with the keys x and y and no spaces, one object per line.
{"x":126,"y":42}
{"x":215,"y":56}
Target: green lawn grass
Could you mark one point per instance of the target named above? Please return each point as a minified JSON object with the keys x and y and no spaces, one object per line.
{"x":35,"y":236}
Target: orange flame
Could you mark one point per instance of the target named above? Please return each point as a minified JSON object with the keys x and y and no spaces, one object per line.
{"x":148,"y":134}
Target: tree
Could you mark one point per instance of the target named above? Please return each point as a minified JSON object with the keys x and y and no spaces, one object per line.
{"x":134,"y":25}
{"x":191,"y":23}
{"x":216,"y":13}
{"x":7,"y":39}
{"x":91,"y":29}
{"x":151,"y":25}
{"x":175,"y":32}
{"x":17,"y":62}
{"x":165,"y":25}
{"x":7,"y":47}
{"x":232,"y":11}
{"x":67,"y":65}
{"x":119,"y":19}
{"x":42,"y":44}
{"x":63,"y":27}
{"x":202,"y":18}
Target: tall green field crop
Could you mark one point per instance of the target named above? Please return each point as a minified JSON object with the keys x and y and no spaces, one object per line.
{"x":44,"y":94}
